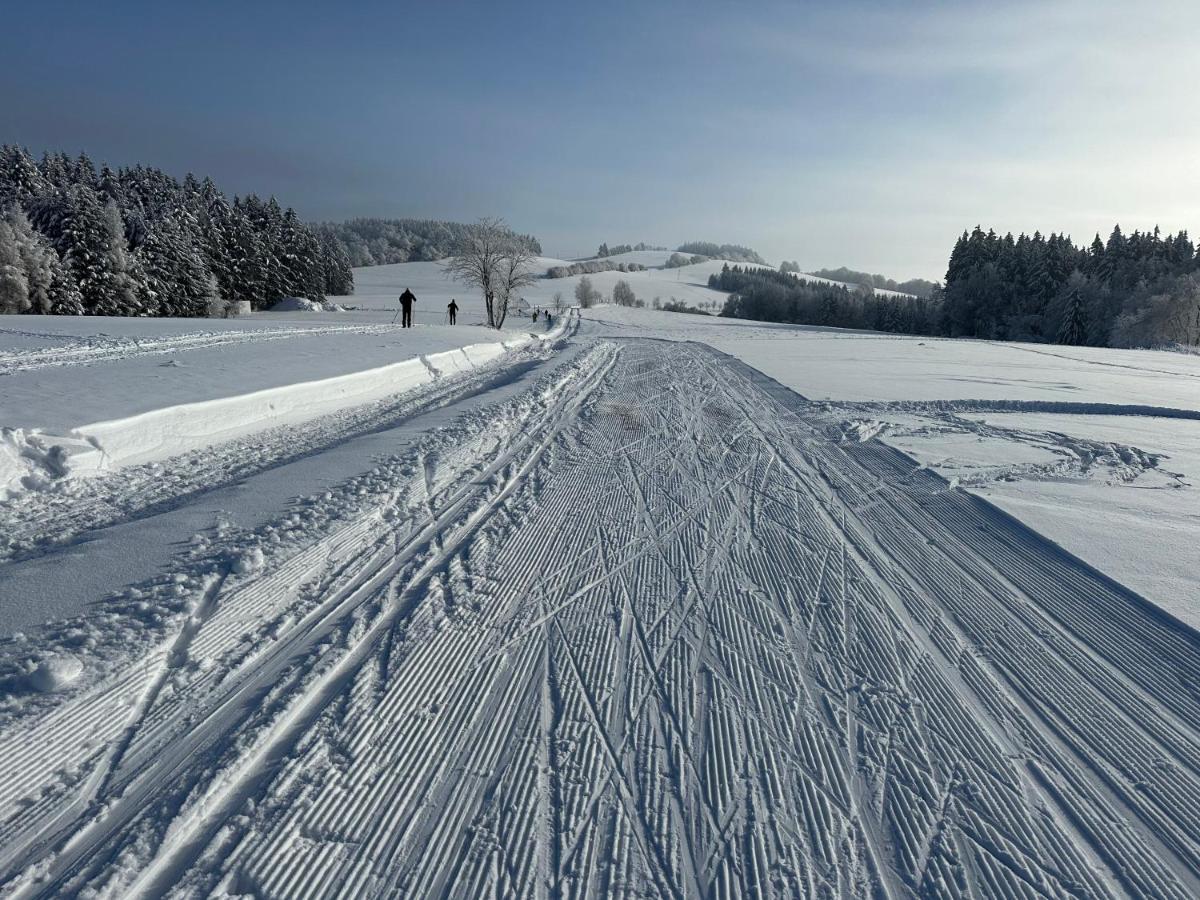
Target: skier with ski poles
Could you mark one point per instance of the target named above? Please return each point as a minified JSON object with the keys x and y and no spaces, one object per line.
{"x":407,"y":299}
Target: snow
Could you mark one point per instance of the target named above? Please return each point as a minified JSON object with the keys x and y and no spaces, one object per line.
{"x":55,"y":673}
{"x":133,"y":397}
{"x":1133,"y":514}
{"x":840,"y":364}
{"x":296,"y":304}
{"x":1132,"y":517}
{"x":378,"y":286}
{"x":664,"y":604}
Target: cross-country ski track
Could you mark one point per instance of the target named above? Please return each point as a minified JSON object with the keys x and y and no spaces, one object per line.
{"x":651,"y":627}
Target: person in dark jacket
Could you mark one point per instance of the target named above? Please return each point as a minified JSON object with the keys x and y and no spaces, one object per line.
{"x":407,"y":299}
{"x":452,"y":310}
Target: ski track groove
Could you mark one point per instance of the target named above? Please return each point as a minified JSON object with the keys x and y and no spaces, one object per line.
{"x":660,"y":640}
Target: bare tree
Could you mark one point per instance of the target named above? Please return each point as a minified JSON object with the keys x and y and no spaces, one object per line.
{"x":558,"y":301}
{"x":623,"y":294}
{"x":493,"y":260}
{"x":585,"y":293}
{"x":515,"y":272}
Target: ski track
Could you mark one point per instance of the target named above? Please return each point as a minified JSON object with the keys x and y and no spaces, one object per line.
{"x":672,"y":636}
{"x":59,"y":514}
{"x":82,"y":351}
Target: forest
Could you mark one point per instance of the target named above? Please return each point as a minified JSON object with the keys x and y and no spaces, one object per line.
{"x":80,"y":240}
{"x":768,"y":295}
{"x":618,"y":249}
{"x":1140,"y":289}
{"x":381,"y":242}
{"x":591,"y":267}
{"x":1135,"y":290}
{"x":917,"y":286}
{"x":732,"y":252}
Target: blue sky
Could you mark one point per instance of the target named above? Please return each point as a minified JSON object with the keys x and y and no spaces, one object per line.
{"x":855,"y":133}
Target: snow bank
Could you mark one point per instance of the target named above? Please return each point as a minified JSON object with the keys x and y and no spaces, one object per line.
{"x":302,"y":304}
{"x":296,"y":304}
{"x":29,"y":458}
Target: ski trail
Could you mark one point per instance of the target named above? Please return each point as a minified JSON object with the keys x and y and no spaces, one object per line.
{"x":76,"y":351}
{"x":658,"y":631}
{"x":44,"y":521}
{"x":175,"y":658}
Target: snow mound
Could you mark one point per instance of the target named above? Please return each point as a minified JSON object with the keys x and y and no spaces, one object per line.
{"x":303,"y":304}
{"x":862,"y":429}
{"x":56,"y":673}
{"x":296,"y":304}
{"x":249,"y":562}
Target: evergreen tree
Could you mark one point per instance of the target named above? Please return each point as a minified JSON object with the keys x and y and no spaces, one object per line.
{"x":177,"y":281}
{"x":338,"y":278}
{"x":39,"y":264}
{"x":1073,"y":327}
{"x":14,"y":284}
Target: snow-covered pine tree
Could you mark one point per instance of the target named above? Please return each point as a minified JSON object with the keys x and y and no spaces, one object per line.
{"x":14,"y":284}
{"x":177,"y":281}
{"x":127,"y":290}
{"x":1073,"y":327}
{"x":20,"y":179}
{"x":38,"y":261}
{"x":300,"y":254}
{"x":338,"y":277}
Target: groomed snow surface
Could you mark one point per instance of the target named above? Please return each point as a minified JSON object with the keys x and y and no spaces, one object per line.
{"x":651,"y":605}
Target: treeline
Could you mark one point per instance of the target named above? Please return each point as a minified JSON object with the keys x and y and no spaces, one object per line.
{"x":918,"y":287}
{"x":591,"y":267}
{"x":618,"y":249}
{"x":381,"y":242}
{"x":732,"y":252}
{"x":76,"y":240}
{"x":1131,"y":290}
{"x":770,"y":296}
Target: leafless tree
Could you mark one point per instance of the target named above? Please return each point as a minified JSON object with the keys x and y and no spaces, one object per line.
{"x":493,"y":260}
{"x":623,"y":294}
{"x":586,"y":294}
{"x":515,"y":272}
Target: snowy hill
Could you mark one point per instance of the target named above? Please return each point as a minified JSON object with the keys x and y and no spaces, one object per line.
{"x":377,"y":287}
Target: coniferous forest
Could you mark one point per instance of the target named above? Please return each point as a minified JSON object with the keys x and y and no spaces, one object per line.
{"x":772,"y":296}
{"x":75,"y":240}
{"x":1141,"y":289}
{"x":1136,"y":290}
{"x":381,"y":242}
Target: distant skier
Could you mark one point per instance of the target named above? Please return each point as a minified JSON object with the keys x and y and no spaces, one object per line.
{"x":535,"y":312}
{"x":452,"y":311}
{"x":549,"y":321}
{"x":407,"y":299}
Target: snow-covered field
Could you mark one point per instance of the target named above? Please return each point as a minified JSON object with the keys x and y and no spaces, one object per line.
{"x":654,"y":605}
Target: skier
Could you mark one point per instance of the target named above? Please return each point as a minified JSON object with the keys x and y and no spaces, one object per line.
{"x":452,"y":310}
{"x":535,"y":312}
{"x":549,"y":321}
{"x":407,"y":299}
